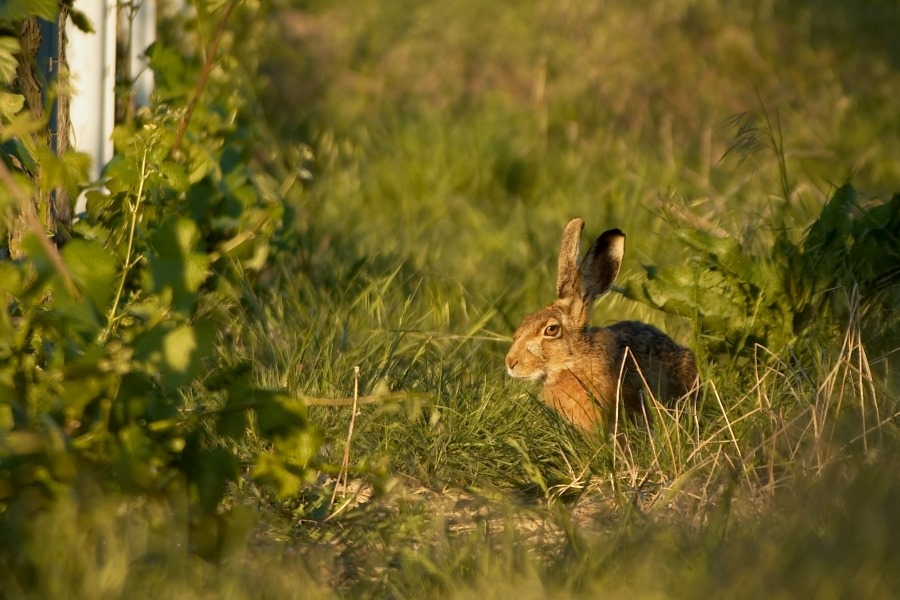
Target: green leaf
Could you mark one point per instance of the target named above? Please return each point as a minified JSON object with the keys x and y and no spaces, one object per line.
{"x":834,"y":222}
{"x":11,"y":279}
{"x":68,"y":171}
{"x":121,"y":174}
{"x":274,"y":472}
{"x":94,"y":270}
{"x":7,"y":420}
{"x":80,"y":20}
{"x":15,"y":10}
{"x":10,"y":104}
{"x":170,"y":72}
{"x":828,"y":241}
{"x":179,"y":348}
{"x":37,"y":254}
{"x":20,"y":125}
{"x":175,"y":353}
{"x":9,"y":47}
{"x":232,"y":423}
{"x":70,"y":313}
{"x":691,"y":291}
{"x":727,"y":254}
{"x":210,"y":470}
{"x":176,"y":265}
{"x":175,"y":175}
{"x":301,"y":446}
{"x":288,"y":468}
{"x":707,"y":242}
{"x":16,"y":148}
{"x":135,"y":461}
{"x":276,"y":417}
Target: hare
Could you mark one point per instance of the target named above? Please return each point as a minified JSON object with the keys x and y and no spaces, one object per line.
{"x":585,"y":370}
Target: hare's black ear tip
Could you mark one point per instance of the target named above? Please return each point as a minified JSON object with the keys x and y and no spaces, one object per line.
{"x":611,"y":235}
{"x":611,"y":242}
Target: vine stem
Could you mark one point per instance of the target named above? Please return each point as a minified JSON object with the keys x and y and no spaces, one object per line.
{"x":204,"y":76}
{"x":31,"y":219}
{"x":112,"y":318}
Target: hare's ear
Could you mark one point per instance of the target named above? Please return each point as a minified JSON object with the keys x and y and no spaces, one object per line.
{"x":600,"y":265}
{"x":568,"y":277}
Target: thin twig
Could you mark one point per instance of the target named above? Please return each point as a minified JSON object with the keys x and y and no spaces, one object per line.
{"x":345,"y":463}
{"x":204,"y":77}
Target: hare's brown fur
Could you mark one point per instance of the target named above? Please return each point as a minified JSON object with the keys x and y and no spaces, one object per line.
{"x":583,"y":369}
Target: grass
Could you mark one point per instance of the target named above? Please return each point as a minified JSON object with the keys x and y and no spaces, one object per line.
{"x":452,"y":142}
{"x":479,"y":489}
{"x":448,"y":157}
{"x":780,"y":483}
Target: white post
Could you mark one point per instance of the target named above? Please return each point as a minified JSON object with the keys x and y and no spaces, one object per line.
{"x":92,"y":68}
{"x":143,"y":33}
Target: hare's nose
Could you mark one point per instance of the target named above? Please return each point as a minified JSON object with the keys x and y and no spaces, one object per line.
{"x":510,"y":363}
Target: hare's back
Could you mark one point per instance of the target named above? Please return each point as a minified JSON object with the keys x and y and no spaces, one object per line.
{"x":661,"y":361}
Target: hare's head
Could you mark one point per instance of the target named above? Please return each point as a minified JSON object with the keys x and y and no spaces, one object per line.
{"x":553,"y":339}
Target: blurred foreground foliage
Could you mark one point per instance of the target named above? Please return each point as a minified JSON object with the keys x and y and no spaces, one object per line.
{"x":103,"y":345}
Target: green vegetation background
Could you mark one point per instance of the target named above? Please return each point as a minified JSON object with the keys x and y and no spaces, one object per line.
{"x":383,"y":185}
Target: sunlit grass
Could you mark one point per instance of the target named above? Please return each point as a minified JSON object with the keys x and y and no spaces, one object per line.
{"x":476,"y":479}
{"x":453,"y":142}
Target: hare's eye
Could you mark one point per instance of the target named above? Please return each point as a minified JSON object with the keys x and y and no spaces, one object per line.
{"x":551,"y":330}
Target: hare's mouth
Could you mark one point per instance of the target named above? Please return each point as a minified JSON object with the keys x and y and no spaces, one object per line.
{"x":516,"y":375}
{"x":538,"y":376}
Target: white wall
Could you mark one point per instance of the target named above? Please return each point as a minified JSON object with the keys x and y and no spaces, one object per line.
{"x":92,"y":71}
{"x":143,"y":32}
{"x":92,"y":67}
